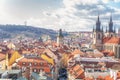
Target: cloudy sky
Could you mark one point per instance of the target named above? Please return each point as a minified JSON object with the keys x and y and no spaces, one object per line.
{"x":70,"y":15}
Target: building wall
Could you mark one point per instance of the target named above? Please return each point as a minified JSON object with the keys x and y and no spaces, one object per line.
{"x":36,"y":66}
{"x":114,"y":48}
{"x":117,"y":50}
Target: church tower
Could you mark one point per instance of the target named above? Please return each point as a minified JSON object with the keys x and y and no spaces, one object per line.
{"x":60,"y":37}
{"x":111,"y":31}
{"x":98,"y":35}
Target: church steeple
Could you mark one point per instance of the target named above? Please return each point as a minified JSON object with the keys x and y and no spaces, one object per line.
{"x":98,"y":35}
{"x":98,"y":24}
{"x":111,"y":24}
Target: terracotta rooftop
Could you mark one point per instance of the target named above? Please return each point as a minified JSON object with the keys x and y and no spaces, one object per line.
{"x":77,"y":51}
{"x":108,"y":53}
{"x":113,"y":40}
{"x":77,"y":72}
{"x":108,"y":77}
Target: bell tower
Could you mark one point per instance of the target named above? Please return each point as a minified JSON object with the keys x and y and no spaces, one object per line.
{"x":111,"y":31}
{"x":60,"y":38}
{"x":98,"y":35}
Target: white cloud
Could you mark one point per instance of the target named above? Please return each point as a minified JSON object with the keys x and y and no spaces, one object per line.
{"x":117,"y":0}
{"x":72,"y":15}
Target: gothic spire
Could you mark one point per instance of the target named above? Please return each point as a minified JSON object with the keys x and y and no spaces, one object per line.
{"x":111,"y":24}
{"x":98,"y":18}
{"x":98,"y":24}
{"x":111,"y":18}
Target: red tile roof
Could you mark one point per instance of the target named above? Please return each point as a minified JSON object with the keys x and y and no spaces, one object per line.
{"x":77,"y":51}
{"x":38,"y":65}
{"x":113,"y":40}
{"x":77,"y":72}
{"x":108,"y":78}
{"x":108,"y":52}
{"x":100,"y":78}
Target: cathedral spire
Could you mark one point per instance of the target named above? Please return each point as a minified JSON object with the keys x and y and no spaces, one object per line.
{"x":111,"y":18}
{"x":98,"y":24}
{"x":111,"y":24}
{"x":98,"y":18}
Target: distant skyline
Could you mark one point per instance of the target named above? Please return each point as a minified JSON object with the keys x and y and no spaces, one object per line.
{"x":70,"y":15}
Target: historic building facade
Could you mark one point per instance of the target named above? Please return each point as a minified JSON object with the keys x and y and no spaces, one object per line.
{"x":106,"y":41}
{"x":98,"y":35}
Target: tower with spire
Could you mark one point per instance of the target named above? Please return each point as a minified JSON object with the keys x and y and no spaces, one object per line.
{"x":98,"y":35}
{"x":111,"y":31}
{"x":60,"y":38}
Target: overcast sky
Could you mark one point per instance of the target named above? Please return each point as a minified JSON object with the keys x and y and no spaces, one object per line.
{"x":71,"y":15}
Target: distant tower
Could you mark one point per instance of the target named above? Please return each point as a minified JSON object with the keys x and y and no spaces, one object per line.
{"x":98,"y":35}
{"x":60,"y":37}
{"x":111,"y":31}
